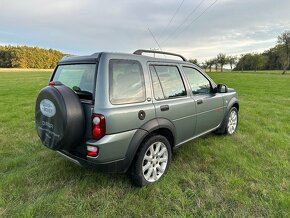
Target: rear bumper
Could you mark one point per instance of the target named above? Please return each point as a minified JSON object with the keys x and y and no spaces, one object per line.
{"x":116,"y":151}
{"x":111,"y":147}
{"x":116,"y":166}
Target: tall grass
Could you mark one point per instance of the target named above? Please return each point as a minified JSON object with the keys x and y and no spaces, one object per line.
{"x":247,"y":174}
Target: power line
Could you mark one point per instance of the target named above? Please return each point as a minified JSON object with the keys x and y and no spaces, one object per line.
{"x":172,"y":18}
{"x":184,"y":21}
{"x":195,"y":19}
{"x":204,"y":11}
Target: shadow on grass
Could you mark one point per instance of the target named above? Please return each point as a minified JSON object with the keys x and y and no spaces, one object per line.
{"x":60,"y":173}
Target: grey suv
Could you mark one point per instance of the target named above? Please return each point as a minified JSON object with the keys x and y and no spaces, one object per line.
{"x":127,"y":112}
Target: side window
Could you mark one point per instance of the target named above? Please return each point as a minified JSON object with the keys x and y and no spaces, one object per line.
{"x":198,"y":83}
{"x":126,"y":82}
{"x":167,"y":82}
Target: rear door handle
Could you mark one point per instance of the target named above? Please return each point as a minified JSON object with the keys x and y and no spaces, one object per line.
{"x":164,"y":107}
{"x":199,"y":101}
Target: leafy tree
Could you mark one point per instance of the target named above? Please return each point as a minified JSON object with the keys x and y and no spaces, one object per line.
{"x":209,"y":64}
{"x":258,"y":61}
{"x":273,"y":58}
{"x":252,"y":62}
{"x":204,"y":65}
{"x":232,"y":61}
{"x":28,"y":57}
{"x":241,"y":63}
{"x":215,"y":63}
{"x":284,"y":40}
{"x":222,"y":60}
{"x":193,"y":61}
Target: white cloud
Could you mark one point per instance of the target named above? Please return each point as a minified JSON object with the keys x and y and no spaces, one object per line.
{"x":87,"y":26}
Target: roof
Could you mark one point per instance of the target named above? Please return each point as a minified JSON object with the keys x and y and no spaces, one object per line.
{"x":96,"y":56}
{"x":80,"y":59}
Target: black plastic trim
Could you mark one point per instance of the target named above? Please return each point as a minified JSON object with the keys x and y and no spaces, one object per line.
{"x":222,"y":127}
{"x":117,"y":166}
{"x":143,"y":132}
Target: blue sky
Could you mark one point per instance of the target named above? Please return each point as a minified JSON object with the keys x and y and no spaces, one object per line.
{"x":87,"y":26}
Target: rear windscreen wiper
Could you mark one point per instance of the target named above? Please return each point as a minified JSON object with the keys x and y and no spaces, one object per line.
{"x":82,"y":93}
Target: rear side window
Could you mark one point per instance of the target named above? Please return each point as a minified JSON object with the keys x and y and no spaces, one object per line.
{"x":198,"y":83}
{"x":78,"y":77}
{"x":167,"y":82}
{"x":126,"y":82}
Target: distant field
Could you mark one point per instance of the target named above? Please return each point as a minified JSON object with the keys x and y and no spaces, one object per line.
{"x":250,"y":71}
{"x":247,"y":174}
{"x":24,"y":70}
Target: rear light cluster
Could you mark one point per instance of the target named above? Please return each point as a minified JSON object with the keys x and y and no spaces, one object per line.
{"x":92,"y":151}
{"x":98,"y":132}
{"x":98,"y":126}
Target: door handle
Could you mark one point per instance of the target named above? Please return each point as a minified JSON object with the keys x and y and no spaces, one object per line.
{"x":164,"y":107}
{"x":199,"y":101}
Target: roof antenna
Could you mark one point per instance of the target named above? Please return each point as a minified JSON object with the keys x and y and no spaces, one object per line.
{"x":154,"y":38}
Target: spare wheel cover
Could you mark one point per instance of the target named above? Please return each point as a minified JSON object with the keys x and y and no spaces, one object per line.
{"x":59,"y":117}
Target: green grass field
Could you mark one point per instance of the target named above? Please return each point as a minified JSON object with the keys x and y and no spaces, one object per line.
{"x":247,"y":174}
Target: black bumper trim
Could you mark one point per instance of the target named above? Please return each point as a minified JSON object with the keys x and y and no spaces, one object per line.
{"x":117,"y":166}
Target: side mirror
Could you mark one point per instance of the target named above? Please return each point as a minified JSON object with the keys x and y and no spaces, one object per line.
{"x":221,"y":88}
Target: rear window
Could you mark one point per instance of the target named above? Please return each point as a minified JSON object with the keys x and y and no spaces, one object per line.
{"x":79,"y":77}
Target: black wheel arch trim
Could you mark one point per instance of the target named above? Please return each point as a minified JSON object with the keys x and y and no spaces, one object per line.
{"x":142,"y":133}
{"x":231,"y":103}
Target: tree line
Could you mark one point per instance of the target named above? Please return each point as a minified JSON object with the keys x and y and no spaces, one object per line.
{"x":276,"y":58}
{"x":28,"y":57}
{"x":217,"y":63}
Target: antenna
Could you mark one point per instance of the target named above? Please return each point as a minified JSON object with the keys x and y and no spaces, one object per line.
{"x":154,"y":39}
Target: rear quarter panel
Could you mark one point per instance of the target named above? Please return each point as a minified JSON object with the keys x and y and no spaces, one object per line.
{"x":123,"y":117}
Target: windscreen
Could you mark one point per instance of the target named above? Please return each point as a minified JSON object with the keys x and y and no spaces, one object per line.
{"x":79,"y":77}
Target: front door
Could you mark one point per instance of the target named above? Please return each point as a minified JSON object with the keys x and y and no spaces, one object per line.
{"x":209,"y":105}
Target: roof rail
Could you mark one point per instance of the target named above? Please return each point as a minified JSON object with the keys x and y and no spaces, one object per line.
{"x":140,"y":51}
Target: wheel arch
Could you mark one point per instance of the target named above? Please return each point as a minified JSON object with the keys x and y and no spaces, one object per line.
{"x":236,"y":105}
{"x":155,"y":126}
{"x":234,"y":102}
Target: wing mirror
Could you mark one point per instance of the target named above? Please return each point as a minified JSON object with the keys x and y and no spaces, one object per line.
{"x":221,"y":88}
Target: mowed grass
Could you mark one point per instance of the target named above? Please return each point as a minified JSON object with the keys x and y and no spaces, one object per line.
{"x":247,"y":174}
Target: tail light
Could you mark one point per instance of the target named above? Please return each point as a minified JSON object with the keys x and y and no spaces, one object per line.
{"x":98,"y":126}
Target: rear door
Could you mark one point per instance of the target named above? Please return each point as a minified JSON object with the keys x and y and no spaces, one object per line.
{"x":209,"y":105}
{"x":171,"y":99}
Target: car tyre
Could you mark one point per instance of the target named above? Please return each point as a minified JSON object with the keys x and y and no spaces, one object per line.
{"x":232,"y":121}
{"x":152,"y":161}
